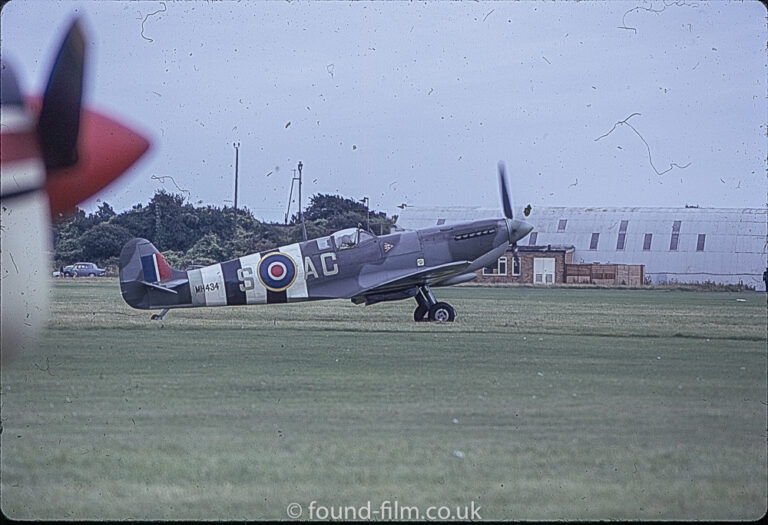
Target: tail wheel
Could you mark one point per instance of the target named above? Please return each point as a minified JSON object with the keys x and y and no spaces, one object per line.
{"x":442,"y":313}
{"x":420,"y":314}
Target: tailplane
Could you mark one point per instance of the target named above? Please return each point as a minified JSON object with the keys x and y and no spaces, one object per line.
{"x":147,"y":280}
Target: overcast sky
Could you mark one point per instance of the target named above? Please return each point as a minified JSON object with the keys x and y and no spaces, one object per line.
{"x":416,"y":102}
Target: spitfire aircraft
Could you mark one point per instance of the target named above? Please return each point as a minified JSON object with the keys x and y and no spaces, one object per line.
{"x":349,"y":264}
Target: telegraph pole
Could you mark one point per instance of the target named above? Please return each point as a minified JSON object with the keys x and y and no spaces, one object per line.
{"x":237,"y":158}
{"x":301,"y":210}
{"x":290,"y":196}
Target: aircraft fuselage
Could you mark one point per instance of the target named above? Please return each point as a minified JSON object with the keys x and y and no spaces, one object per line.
{"x":351,"y":264}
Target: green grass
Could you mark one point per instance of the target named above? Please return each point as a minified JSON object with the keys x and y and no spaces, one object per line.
{"x":566,"y":403}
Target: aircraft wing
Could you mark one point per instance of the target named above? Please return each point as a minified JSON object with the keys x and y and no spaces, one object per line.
{"x":423,"y":276}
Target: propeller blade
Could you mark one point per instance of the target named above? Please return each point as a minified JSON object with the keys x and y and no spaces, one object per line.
{"x":516,"y":228}
{"x":59,"y":123}
{"x":107,"y":149}
{"x":506,"y":201}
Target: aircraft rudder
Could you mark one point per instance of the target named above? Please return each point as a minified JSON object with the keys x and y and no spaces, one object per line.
{"x":155,"y":268}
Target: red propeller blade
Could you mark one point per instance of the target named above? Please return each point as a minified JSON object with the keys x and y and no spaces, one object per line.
{"x":106,"y":149}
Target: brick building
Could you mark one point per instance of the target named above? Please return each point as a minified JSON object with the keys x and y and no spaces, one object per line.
{"x":537,"y":265}
{"x":606,"y":274}
{"x":553,"y":264}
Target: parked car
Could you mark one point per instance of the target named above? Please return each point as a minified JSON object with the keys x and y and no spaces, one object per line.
{"x":82,"y":269}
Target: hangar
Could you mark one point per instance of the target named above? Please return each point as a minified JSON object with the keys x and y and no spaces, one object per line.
{"x":686,"y":245}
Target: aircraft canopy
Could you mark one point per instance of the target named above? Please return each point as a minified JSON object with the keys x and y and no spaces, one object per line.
{"x":350,"y":237}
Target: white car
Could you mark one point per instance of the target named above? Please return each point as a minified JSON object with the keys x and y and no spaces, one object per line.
{"x":83,"y":269}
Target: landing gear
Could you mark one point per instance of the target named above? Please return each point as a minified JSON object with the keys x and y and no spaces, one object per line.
{"x":420,"y":314}
{"x":159,"y":317}
{"x":442,"y":313}
{"x":431,"y":310}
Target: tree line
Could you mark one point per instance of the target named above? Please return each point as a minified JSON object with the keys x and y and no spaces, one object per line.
{"x":188,"y":235}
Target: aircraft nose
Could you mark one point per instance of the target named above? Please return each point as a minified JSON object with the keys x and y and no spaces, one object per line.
{"x":518,"y":229}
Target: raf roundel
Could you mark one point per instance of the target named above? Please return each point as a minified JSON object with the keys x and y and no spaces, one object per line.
{"x":277,"y":271}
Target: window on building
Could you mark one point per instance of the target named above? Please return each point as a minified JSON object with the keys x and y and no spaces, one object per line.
{"x":532,"y":238}
{"x":622,"y":235}
{"x":593,"y":241}
{"x":500,"y":268}
{"x":621,"y":241}
{"x":440,"y":222}
{"x":516,"y":266}
{"x":561,"y":225}
{"x":647,"y":241}
{"x":700,"y":242}
{"x":675,"y":239}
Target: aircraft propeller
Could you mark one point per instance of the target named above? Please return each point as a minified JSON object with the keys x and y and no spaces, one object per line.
{"x":506,"y":199}
{"x":517,"y":228}
{"x":83,"y":150}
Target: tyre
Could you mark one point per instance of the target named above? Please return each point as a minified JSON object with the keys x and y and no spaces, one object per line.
{"x":420,"y":314}
{"x":442,"y":313}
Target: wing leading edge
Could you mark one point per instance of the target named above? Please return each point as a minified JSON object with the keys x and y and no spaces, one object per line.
{"x":406,"y":285}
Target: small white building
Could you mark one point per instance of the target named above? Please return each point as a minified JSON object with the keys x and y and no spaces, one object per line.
{"x":721,"y":245}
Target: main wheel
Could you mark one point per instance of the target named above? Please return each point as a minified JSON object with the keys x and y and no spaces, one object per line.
{"x":442,"y":313}
{"x":420,"y":314}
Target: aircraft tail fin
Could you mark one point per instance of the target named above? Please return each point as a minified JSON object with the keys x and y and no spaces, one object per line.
{"x":146,"y":278}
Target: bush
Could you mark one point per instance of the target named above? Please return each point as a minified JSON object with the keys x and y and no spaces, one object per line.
{"x":103,"y":241}
{"x":207,"y":250}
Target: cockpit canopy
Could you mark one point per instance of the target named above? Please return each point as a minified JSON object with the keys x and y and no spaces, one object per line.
{"x":350,"y":238}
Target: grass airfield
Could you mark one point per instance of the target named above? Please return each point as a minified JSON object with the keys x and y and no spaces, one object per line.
{"x":560,"y":403}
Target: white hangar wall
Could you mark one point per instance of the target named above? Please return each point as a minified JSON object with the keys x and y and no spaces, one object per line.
{"x":722,"y":245}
